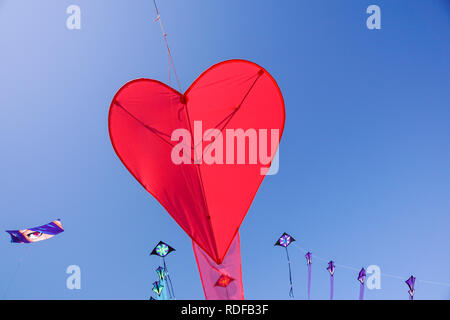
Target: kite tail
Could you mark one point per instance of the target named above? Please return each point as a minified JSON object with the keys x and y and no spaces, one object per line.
{"x":160,"y":290}
{"x":331,"y":287}
{"x":361,"y":292}
{"x":164,"y":290}
{"x":291,"y":290}
{"x":309,"y":281}
{"x":170,"y":287}
{"x":168,"y":281}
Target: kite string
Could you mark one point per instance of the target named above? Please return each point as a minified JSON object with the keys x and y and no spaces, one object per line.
{"x":165,"y":276}
{"x":169,"y":54}
{"x":169,"y":281}
{"x":291,"y":290}
{"x":442,"y":284}
{"x":13,"y":277}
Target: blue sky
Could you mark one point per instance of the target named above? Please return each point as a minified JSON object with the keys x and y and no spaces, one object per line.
{"x":364,"y":164}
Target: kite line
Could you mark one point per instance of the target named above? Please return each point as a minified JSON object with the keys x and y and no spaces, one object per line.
{"x":13,"y":278}
{"x":169,"y":54}
{"x":167,"y":277}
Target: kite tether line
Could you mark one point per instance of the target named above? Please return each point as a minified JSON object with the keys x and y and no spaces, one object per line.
{"x":291,"y":289}
{"x":169,"y":54}
{"x":12,"y":278}
{"x":168,"y":281}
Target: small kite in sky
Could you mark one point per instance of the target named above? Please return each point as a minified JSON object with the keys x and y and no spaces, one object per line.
{"x":410,"y":282}
{"x":162,"y":249}
{"x":308,"y":257}
{"x":160,"y":272}
{"x":36,"y":234}
{"x":362,"y":279}
{"x":284,"y":241}
{"x":157,"y":288}
{"x":331,"y":268}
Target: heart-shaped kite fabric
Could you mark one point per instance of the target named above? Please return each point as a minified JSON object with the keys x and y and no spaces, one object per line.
{"x":209,"y":201}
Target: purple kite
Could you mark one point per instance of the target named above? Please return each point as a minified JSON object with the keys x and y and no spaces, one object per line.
{"x":308,"y":257}
{"x":36,"y":234}
{"x":331,"y":268}
{"x":284,"y":241}
{"x":410,"y":282}
{"x":362,"y":279}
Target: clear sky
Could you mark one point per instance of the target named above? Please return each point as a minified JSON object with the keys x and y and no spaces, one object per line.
{"x":364,"y":161}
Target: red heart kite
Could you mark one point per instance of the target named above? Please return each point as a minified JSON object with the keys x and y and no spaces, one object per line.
{"x":210,"y":191}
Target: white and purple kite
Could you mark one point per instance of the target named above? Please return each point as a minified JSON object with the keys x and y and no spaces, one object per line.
{"x":331,"y":268}
{"x":308,"y":257}
{"x":410,"y":282}
{"x":362,"y":279}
